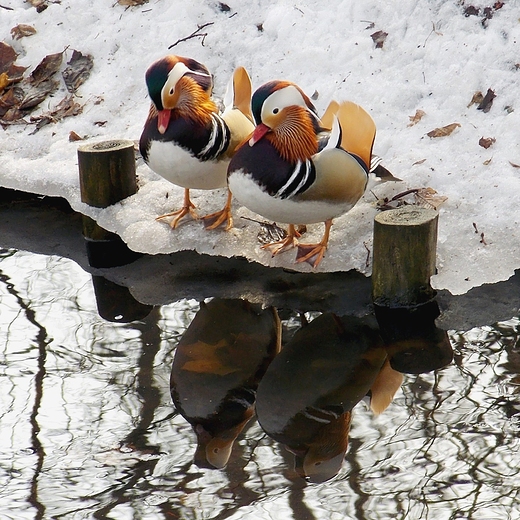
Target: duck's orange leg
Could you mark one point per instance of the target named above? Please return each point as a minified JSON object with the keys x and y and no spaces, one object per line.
{"x":187,"y":208}
{"x":290,"y":241}
{"x":313,"y":253}
{"x":214,"y":220}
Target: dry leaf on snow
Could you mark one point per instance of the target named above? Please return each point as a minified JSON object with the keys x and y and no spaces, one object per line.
{"x":419,"y":114}
{"x":429,"y":198}
{"x":443,"y":131}
{"x":132,"y":2}
{"x":486,"y":142}
{"x":487,"y":102}
{"x":22,"y":30}
{"x":379,"y":38}
{"x":78,"y":70}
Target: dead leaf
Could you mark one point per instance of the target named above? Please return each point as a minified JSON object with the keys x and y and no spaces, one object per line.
{"x":40,"y":5}
{"x":418,"y":162}
{"x":132,"y":3}
{"x":487,"y":102}
{"x":46,"y":68}
{"x":12,"y":98}
{"x":514,"y":165}
{"x":7,"y":59}
{"x":486,"y":142}
{"x":36,"y":93}
{"x":477,"y":98}
{"x":22,"y":30}
{"x":4,"y":81}
{"x":78,"y":70}
{"x":471,"y":10}
{"x":67,"y":107}
{"x":443,"y":131}
{"x":73,"y":136}
{"x":488,"y":161}
{"x":419,"y":114}
{"x":429,"y":198}
{"x":379,"y":38}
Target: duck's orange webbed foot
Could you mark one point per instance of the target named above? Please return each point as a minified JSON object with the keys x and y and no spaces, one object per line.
{"x":214,"y":220}
{"x":313,"y":253}
{"x":310,"y":253}
{"x":187,"y":208}
{"x":290,"y":241}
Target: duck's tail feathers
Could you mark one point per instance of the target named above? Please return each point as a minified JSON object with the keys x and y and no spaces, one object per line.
{"x":358,"y":130}
{"x":239,"y":92}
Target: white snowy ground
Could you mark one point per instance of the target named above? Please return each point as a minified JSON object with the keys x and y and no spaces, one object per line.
{"x":434,"y":59}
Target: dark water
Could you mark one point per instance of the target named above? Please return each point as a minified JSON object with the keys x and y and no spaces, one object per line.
{"x":88,"y":429}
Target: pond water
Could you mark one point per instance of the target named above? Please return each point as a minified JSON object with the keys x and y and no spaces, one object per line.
{"x":88,"y":428}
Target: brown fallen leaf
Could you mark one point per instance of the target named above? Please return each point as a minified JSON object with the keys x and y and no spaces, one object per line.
{"x":46,"y":68}
{"x":379,"y":38}
{"x":22,"y":30}
{"x":443,"y":131}
{"x":514,"y":165}
{"x":429,"y":198}
{"x":78,"y":70}
{"x":7,"y":63}
{"x":418,"y":162}
{"x":419,"y":114}
{"x":73,"y":136}
{"x":488,"y":161}
{"x":36,"y":93}
{"x":67,"y":107}
{"x":476,"y":99}
{"x":487,"y":102}
{"x":486,"y":142}
{"x":40,"y":5}
{"x":8,"y":101}
{"x":4,"y":81}
{"x":132,"y":3}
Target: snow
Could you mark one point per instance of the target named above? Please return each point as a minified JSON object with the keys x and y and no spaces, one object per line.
{"x":434,"y":59}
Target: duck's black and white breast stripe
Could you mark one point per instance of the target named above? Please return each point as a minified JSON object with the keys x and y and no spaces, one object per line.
{"x":302,"y":176}
{"x":218,"y":140}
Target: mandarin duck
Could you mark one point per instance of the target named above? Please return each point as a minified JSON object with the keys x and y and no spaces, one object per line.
{"x":185,"y":139}
{"x":292,"y":171}
{"x":218,"y":364}
{"x":306,"y":397}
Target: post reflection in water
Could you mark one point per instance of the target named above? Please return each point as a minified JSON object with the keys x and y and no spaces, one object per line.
{"x":227,"y":364}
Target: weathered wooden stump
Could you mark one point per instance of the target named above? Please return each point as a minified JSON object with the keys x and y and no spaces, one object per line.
{"x":107,"y":175}
{"x":405,"y":245}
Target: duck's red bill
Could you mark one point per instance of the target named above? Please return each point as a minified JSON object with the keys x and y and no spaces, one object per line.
{"x":258,"y":133}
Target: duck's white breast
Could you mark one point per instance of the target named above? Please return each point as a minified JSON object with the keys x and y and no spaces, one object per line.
{"x":287,"y":211}
{"x":180,"y":167}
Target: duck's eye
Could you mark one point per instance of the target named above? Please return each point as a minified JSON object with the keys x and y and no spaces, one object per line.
{"x":171,"y":91}
{"x":276,"y":110}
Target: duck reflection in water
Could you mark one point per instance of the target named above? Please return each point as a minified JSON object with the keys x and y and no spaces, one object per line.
{"x":306,"y":397}
{"x":229,"y":362}
{"x":218,"y":364}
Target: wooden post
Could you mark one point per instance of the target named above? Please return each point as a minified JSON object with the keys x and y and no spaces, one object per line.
{"x":107,"y":172}
{"x":404,"y":250}
{"x":107,"y":175}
